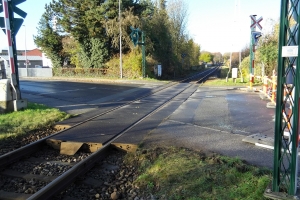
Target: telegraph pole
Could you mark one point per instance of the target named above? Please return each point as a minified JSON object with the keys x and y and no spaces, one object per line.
{"x":120,"y":27}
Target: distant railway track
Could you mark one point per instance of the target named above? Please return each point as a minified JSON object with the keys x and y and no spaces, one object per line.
{"x":53,"y":172}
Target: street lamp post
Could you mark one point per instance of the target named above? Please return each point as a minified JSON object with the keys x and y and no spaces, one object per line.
{"x":26,"y":63}
{"x":120,"y":27}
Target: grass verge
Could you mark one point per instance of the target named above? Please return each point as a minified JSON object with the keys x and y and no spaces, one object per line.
{"x":221,"y":80}
{"x":230,"y":82}
{"x":179,"y":173}
{"x":34,"y":117}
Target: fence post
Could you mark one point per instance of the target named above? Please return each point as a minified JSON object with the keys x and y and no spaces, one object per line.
{"x":273,"y":86}
{"x":265,"y":87}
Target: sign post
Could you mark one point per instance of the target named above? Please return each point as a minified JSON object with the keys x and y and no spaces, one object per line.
{"x":234,"y":73}
{"x":135,"y":39}
{"x":253,"y":42}
{"x":11,"y":26}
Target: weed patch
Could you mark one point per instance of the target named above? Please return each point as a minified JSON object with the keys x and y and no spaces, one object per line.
{"x":179,"y":173}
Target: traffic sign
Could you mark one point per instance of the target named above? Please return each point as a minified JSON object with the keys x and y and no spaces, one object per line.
{"x":256,"y":22}
{"x":17,"y":10}
{"x":134,"y":35}
{"x":256,"y":35}
{"x":17,"y":24}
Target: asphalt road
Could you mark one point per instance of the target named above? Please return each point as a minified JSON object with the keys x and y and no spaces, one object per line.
{"x":211,"y":120}
{"x":81,"y":97}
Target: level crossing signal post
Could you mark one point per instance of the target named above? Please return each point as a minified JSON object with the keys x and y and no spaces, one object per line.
{"x":10,"y":26}
{"x":255,"y":35}
{"x":286,"y":138}
{"x":135,"y":39}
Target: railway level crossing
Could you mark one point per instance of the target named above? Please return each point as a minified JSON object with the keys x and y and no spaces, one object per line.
{"x":285,"y":172}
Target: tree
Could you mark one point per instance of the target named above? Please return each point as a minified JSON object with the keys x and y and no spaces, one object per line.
{"x":48,"y":39}
{"x":235,"y":59}
{"x":71,"y":49}
{"x":245,"y":67}
{"x":89,"y":32}
{"x":177,"y":12}
{"x":217,"y":57}
{"x":205,"y":57}
{"x":83,"y":22}
{"x":158,"y":31}
{"x":267,"y":52}
{"x":245,"y":52}
{"x":132,"y":14}
{"x":128,"y":19}
{"x":193,"y":52}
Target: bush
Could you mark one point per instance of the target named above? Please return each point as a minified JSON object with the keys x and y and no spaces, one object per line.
{"x":80,"y":72}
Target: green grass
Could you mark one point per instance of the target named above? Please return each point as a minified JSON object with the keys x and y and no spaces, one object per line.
{"x":221,"y":81}
{"x":230,"y":82}
{"x":34,"y":117}
{"x":174,"y":173}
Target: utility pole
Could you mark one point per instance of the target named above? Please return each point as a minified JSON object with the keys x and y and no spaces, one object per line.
{"x":120,"y":27}
{"x":26,"y":62}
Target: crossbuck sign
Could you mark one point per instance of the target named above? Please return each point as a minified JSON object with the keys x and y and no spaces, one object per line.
{"x":256,"y":22}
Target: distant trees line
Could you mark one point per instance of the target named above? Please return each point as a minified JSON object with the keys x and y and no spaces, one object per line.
{"x":266,"y":55}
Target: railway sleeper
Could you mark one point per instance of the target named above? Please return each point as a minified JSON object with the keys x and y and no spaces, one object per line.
{"x":70,"y":147}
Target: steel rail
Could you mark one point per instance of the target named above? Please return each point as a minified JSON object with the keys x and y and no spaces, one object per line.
{"x":207,"y":75}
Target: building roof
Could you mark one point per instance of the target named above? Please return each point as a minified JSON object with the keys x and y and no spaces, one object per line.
{"x":24,"y":57}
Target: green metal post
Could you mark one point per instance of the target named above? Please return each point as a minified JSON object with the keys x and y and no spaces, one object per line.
{"x":278,"y":118}
{"x":285,"y":169}
{"x":143,"y":55}
{"x":251,"y":69}
{"x":295,"y":136}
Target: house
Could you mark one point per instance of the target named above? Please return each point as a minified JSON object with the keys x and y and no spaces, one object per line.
{"x":33,"y":52}
{"x":32,"y":61}
{"x":33,"y":57}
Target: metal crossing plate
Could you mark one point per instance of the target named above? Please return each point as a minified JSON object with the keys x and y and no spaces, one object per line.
{"x":260,"y":139}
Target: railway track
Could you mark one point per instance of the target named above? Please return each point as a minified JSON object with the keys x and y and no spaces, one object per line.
{"x":37,"y":171}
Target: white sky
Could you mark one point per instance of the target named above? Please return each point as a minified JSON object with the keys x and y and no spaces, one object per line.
{"x":224,"y":26}
{"x":214,"y":24}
